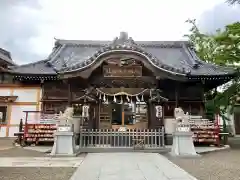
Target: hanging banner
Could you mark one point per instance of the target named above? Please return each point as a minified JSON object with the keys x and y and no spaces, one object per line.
{"x":122,"y":71}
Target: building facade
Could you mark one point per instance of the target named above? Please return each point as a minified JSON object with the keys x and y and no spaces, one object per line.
{"x":136,"y":84}
{"x":15,"y":97}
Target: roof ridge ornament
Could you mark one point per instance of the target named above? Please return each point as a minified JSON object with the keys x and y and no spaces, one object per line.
{"x":123,"y":40}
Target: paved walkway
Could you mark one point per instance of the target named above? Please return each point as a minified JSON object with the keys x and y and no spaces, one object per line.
{"x":129,"y":166}
{"x":40,"y":162}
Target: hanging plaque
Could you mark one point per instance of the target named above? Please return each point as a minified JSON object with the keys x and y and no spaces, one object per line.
{"x":122,"y":71}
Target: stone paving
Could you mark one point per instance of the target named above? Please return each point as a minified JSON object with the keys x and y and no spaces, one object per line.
{"x":40,"y":162}
{"x":129,"y":166}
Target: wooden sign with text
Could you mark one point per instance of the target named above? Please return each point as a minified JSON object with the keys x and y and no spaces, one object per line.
{"x":122,"y":71}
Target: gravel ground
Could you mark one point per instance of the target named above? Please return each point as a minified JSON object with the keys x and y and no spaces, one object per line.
{"x":35,"y":173}
{"x":8,"y":150}
{"x":20,"y":152}
{"x":222,"y":165}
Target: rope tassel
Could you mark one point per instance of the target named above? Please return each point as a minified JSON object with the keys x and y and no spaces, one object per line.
{"x":128,"y":99}
{"x":121,"y":100}
{"x":137,"y":98}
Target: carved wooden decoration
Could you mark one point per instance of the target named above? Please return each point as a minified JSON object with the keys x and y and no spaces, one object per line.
{"x":122,"y":67}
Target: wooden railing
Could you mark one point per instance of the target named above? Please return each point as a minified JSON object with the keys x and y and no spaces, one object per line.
{"x":131,"y":138}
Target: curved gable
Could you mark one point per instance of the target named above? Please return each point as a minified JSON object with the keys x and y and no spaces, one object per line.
{"x":79,"y":57}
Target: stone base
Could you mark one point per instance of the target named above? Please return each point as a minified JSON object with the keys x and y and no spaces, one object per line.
{"x":168,"y":139}
{"x":64,"y":144}
{"x":183,"y":145}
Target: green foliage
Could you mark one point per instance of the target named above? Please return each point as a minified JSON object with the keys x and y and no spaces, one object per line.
{"x":221,"y":48}
{"x":228,"y":42}
{"x":204,"y":44}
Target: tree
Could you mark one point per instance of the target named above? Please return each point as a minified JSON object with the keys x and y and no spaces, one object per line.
{"x":233,"y":1}
{"x":221,"y":48}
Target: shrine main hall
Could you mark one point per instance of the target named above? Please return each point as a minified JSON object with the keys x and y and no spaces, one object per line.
{"x":135,"y":84}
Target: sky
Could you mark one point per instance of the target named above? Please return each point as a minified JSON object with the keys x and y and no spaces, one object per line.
{"x":28,"y":27}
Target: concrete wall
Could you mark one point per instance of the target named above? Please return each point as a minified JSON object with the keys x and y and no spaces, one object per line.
{"x":28,"y":100}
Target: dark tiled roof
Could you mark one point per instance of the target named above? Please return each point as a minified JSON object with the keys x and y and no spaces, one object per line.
{"x":37,"y":68}
{"x":6,"y":56}
{"x":176,"y":57}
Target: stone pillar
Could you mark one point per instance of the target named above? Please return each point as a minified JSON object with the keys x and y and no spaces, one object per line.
{"x":64,"y":142}
{"x":183,"y":144}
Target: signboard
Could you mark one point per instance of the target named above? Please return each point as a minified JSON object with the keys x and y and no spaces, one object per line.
{"x":40,"y":118}
{"x":183,"y":129}
{"x":48,"y":119}
{"x":64,"y":128}
{"x":122,"y":71}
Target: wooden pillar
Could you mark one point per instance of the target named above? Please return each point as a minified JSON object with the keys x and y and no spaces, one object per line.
{"x":97,"y":116}
{"x":201,"y":109}
{"x":176,"y":95}
{"x":149,"y":115}
{"x":69,"y":94}
{"x":202,"y":104}
{"x":43,"y":94}
{"x":152,"y":115}
{"x":162,"y":122}
{"x":122,"y":114}
{"x":190,"y":108}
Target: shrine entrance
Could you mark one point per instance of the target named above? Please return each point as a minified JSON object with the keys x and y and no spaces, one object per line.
{"x":129,"y":115}
{"x":123,"y":107}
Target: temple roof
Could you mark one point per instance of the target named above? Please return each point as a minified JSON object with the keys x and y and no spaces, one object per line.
{"x":175,"y":57}
{"x":35,"y":68}
{"x":5,"y":56}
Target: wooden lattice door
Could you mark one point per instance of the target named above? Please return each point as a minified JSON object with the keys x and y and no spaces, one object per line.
{"x":105,"y":116}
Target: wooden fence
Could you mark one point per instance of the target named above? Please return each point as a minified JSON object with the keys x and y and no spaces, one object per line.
{"x":112,"y":138}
